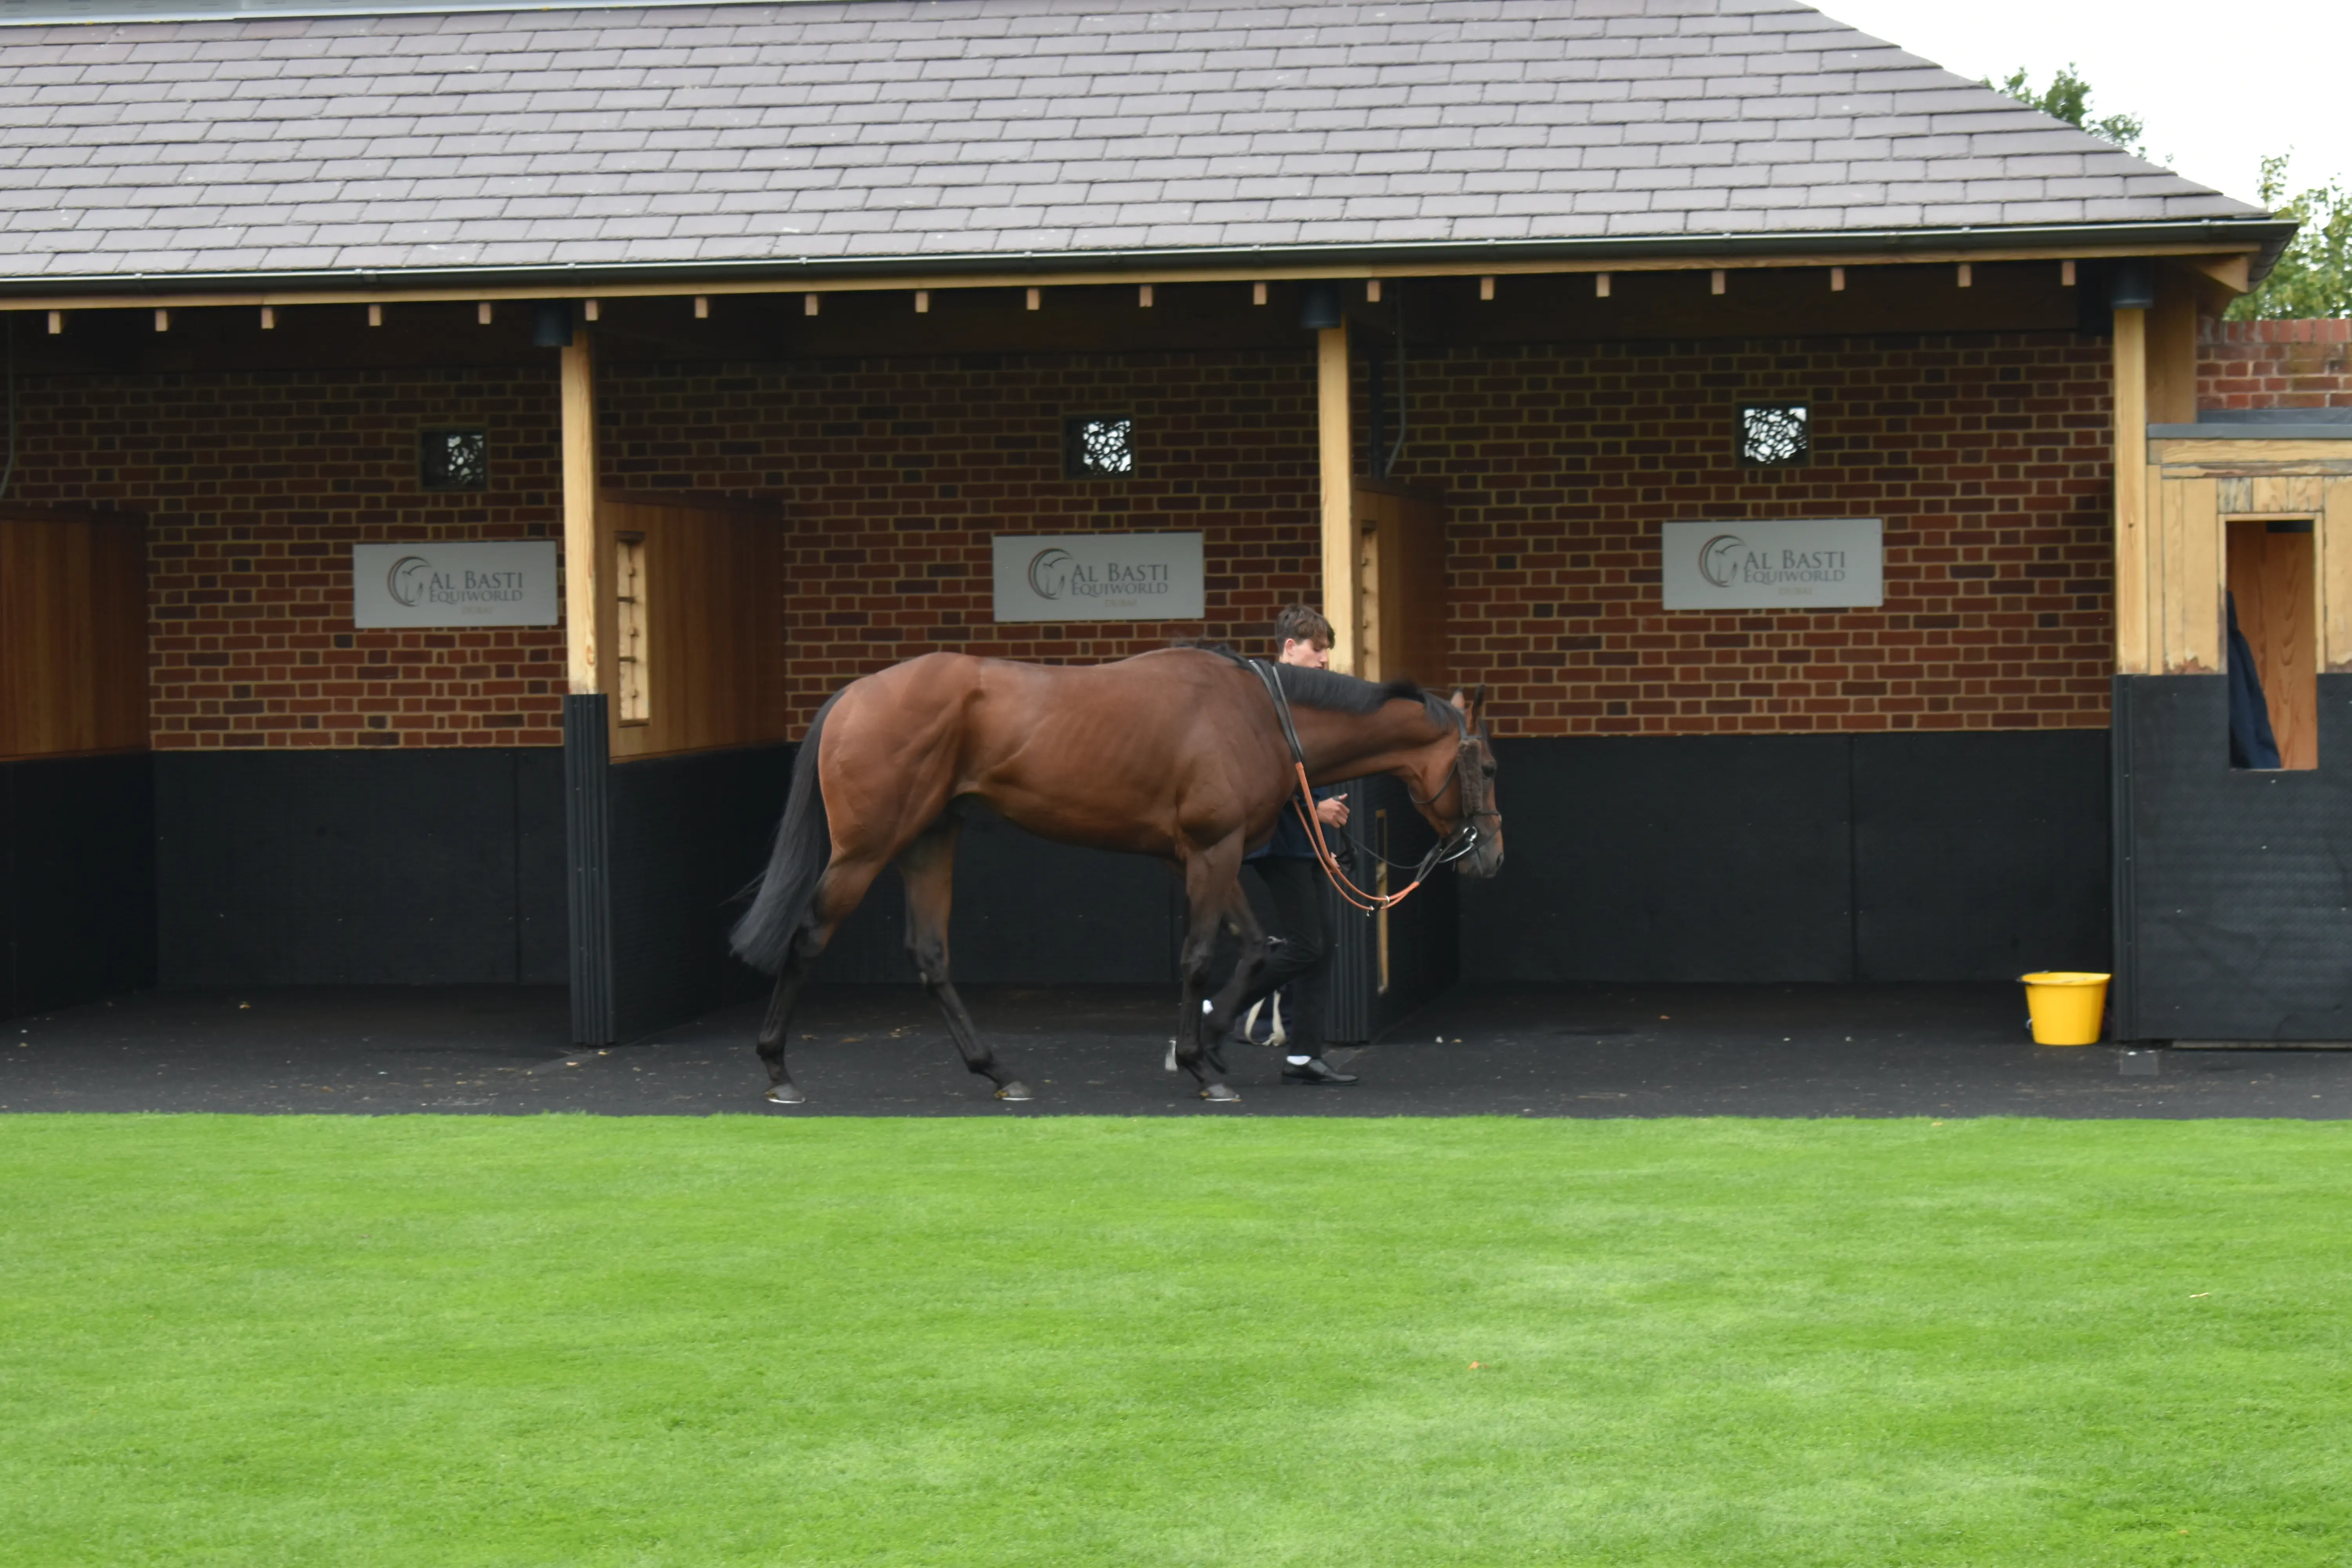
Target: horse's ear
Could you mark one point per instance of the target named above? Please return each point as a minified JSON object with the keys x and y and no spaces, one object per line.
{"x":1472,"y":700}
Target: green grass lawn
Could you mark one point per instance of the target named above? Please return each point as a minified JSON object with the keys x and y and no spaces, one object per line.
{"x":562,"y":1340}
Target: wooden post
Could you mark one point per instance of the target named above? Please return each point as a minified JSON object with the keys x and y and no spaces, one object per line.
{"x":2334,"y":571}
{"x":580,"y":543}
{"x":1341,"y":603}
{"x":2172,"y":349}
{"x":2133,"y":553}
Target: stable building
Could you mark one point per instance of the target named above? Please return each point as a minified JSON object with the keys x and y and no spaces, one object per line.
{"x":1553,"y":346}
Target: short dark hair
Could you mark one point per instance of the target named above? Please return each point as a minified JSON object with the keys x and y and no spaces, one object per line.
{"x":1301,"y":623}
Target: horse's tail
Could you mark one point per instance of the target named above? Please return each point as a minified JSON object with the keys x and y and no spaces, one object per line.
{"x":803,"y":848}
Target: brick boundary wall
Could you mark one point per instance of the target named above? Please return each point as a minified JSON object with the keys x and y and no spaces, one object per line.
{"x":2274,"y":365}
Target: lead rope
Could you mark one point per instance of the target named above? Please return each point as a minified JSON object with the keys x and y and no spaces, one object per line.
{"x":1369,"y":903}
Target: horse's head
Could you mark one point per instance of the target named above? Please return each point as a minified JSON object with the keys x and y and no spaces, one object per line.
{"x":1469,"y":795}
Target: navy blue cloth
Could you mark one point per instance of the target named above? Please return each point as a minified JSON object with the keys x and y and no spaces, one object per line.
{"x":2252,"y":743}
{"x":1290,"y":841}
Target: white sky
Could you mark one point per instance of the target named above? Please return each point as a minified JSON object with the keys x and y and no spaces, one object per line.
{"x":2218,"y":88}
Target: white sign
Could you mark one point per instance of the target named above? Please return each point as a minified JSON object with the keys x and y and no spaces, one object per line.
{"x":498,"y":583}
{"x":1787,"y":564}
{"x":1098,"y":577}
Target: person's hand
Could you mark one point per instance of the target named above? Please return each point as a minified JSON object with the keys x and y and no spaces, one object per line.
{"x":1332,"y":813}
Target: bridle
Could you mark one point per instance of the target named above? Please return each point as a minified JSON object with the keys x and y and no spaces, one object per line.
{"x":1464,"y":840}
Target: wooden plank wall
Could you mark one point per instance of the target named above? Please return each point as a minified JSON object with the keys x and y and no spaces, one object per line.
{"x":2199,"y":490}
{"x":73,"y":633}
{"x":1401,"y":569}
{"x":2269,"y":521}
{"x":715,"y":622}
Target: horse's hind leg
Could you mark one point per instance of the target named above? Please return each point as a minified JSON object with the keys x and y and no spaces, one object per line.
{"x":838,"y":891}
{"x":1213,"y":888}
{"x":928,"y":868}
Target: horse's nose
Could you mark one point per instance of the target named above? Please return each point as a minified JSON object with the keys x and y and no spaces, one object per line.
{"x":1494,"y":858}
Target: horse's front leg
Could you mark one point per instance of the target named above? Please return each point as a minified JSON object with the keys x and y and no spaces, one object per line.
{"x":1212,"y":889}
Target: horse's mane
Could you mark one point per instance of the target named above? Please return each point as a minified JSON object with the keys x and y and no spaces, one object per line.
{"x":1312,"y":687}
{"x":1328,"y":689}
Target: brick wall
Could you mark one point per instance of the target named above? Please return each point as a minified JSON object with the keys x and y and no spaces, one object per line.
{"x":256,"y":485}
{"x":1986,"y":456}
{"x":897,"y":473}
{"x":2274,"y":365}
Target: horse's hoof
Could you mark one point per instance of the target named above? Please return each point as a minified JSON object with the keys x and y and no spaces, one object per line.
{"x":786,"y":1094}
{"x":1015,"y":1091}
{"x":1219,"y":1094}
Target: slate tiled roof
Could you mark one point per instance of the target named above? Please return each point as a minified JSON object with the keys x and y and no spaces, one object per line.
{"x":864,"y":131}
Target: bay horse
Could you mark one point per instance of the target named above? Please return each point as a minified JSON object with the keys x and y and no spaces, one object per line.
{"x":1184,"y":754}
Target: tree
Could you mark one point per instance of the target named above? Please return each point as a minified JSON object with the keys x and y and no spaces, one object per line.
{"x":2314,"y":277}
{"x":2068,"y":98}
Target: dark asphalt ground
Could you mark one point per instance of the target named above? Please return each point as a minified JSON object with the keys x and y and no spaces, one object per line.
{"x":1690,"y":1050}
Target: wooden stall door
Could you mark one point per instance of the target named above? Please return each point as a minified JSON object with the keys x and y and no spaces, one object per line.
{"x":1402,"y":576}
{"x":690,"y":615}
{"x":2271,"y":577}
{"x":73,"y":633}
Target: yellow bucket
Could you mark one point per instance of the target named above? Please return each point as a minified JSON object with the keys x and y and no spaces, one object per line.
{"x":2067,"y":1007}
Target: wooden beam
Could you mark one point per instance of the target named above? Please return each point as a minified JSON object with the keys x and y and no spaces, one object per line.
{"x":2132,"y":546}
{"x":1343,"y":606}
{"x":580,"y":541}
{"x":392,"y":293}
{"x":2251,"y":455}
{"x":2231,"y":273}
{"x":2172,"y":350}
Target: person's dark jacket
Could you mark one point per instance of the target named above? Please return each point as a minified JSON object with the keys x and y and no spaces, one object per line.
{"x":1290,"y":841}
{"x":2252,"y":743}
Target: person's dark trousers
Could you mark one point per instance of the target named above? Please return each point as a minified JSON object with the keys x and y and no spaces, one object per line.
{"x":1301,"y":960}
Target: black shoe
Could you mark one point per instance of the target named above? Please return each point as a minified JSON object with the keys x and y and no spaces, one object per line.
{"x":1315,"y":1070}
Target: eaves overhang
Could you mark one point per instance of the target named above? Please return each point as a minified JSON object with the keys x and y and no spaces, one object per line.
{"x":2260,"y":239}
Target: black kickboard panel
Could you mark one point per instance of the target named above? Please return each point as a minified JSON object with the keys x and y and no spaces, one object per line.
{"x":689,"y":834}
{"x":426,"y":867}
{"x":1980,"y":856}
{"x":77,"y":879}
{"x":2240,"y":919}
{"x":1710,"y":857}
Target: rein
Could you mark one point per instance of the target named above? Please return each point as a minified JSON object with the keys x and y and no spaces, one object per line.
{"x":1459,"y":843}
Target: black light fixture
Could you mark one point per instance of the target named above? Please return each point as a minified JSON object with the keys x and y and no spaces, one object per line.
{"x":551,"y":324}
{"x":1318,"y":308}
{"x":2132,"y":285}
